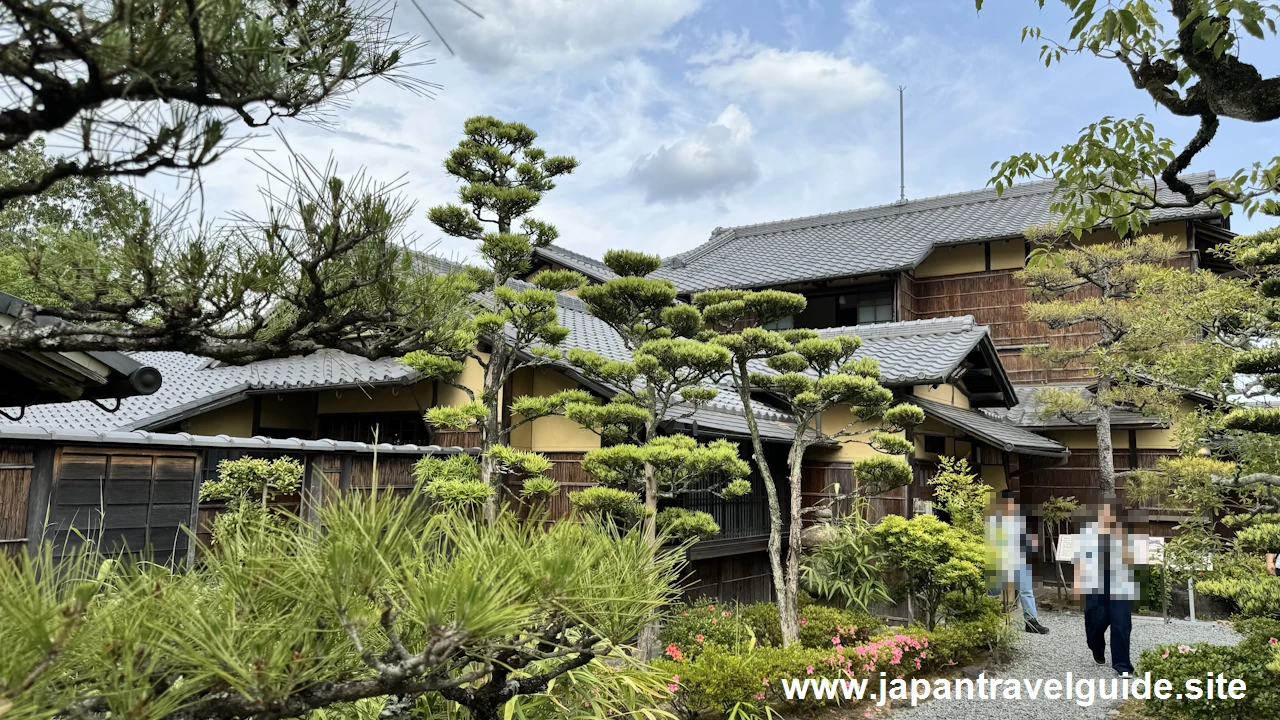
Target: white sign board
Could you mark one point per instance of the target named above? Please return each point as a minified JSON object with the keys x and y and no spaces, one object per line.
{"x":1067,"y":547}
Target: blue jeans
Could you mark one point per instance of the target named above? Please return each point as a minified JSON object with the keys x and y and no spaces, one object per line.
{"x":1022,"y":586}
{"x":1026,"y":596}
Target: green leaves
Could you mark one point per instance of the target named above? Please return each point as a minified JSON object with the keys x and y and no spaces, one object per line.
{"x":681,"y":524}
{"x":631,"y":263}
{"x":619,"y":507}
{"x":433,"y":366}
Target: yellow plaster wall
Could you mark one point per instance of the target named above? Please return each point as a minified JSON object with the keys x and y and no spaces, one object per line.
{"x":235,"y":420}
{"x":1007,"y":254}
{"x":549,"y":434}
{"x":930,"y":426}
{"x":1087,"y":439}
{"x":292,"y":411}
{"x":834,"y":420}
{"x":994,"y":476}
{"x":953,"y":260}
{"x":944,"y":393}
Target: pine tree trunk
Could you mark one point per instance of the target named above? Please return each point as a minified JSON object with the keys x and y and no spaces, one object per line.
{"x":491,"y":429}
{"x":786,"y":607}
{"x":648,"y":641}
{"x":1106,"y":457}
{"x":795,"y":546}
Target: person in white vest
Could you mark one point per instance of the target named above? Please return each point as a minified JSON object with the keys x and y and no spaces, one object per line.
{"x":1008,"y":539}
{"x":1104,"y":578}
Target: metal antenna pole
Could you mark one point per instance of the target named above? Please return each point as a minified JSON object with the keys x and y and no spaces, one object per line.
{"x":902,"y":153}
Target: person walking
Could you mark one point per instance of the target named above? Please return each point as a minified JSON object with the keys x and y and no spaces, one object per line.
{"x":1104,"y":578}
{"x":1007,"y":536}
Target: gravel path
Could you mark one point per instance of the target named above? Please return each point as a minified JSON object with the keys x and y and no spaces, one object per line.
{"x":1052,"y":656}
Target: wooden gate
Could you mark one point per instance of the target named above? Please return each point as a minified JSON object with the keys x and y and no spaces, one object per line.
{"x":124,"y":499}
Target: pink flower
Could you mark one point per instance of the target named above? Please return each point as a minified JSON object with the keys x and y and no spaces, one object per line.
{"x":713,"y":621}
{"x":804,"y":621}
{"x":672,"y":687}
{"x":764,"y":680}
{"x":835,"y":640}
{"x":1273,"y":641}
{"x":1184,"y":649}
{"x":699,"y":638}
{"x":809,"y":670}
{"x":711,"y":607}
{"x":759,"y":696}
{"x":673,"y":651}
{"x":1166,"y":654}
{"x":725,"y":613}
{"x":866,"y":714}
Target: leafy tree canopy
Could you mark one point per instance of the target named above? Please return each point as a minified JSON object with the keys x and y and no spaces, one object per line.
{"x":1190,"y":58}
{"x":133,"y":87}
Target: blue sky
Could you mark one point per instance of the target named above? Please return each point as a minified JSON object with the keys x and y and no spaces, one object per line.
{"x":687,"y":115}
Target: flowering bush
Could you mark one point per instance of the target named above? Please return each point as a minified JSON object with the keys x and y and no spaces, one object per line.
{"x":1253,"y":660}
{"x":706,"y":621}
{"x":818,"y":624}
{"x":746,"y":681}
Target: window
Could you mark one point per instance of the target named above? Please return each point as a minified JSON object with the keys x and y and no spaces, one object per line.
{"x":862,"y":308}
{"x":785,"y":323}
{"x":397,"y":428}
{"x":935,"y":444}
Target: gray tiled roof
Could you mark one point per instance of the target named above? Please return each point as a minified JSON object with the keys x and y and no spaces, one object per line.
{"x":999,"y":433}
{"x":138,"y":437}
{"x":877,"y":239}
{"x":1026,"y":413}
{"x":192,"y":383}
{"x":916,"y":352}
{"x":589,"y":266}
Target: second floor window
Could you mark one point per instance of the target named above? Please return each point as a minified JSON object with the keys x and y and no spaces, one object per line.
{"x":862,"y":308}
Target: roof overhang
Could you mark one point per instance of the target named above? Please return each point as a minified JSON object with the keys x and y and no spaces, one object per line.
{"x":45,"y":376}
{"x":997,"y":433}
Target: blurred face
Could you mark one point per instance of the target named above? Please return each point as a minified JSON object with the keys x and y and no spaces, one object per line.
{"x":1106,"y":517}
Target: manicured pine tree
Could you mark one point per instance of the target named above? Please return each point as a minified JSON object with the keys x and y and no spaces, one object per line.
{"x":669,"y":376}
{"x":809,"y":375}
{"x":1096,"y":289}
{"x":504,"y":178}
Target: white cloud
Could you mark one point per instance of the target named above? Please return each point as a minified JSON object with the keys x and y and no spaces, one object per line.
{"x":797,"y":81}
{"x":538,"y":35}
{"x":717,"y":160}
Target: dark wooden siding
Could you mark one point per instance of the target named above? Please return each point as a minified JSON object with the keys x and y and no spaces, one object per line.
{"x":1078,"y":476}
{"x":744,"y":577}
{"x":16,"y":463}
{"x":127,"y":500}
{"x":995,"y":299}
{"x":457,"y":438}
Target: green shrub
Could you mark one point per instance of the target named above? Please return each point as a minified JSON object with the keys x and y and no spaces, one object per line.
{"x":1247,"y":661}
{"x":934,"y":557}
{"x":1244,"y":581}
{"x":689,"y":628}
{"x":846,"y":568}
{"x":818,"y":625}
{"x":960,"y":643}
{"x":683,"y":524}
{"x":745,"y":682}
